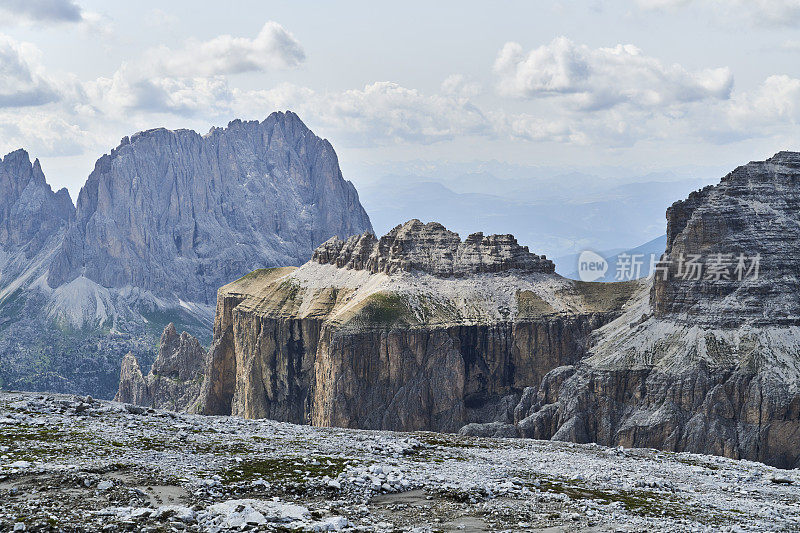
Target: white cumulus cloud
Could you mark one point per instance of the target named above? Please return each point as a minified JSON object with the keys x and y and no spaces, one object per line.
{"x":22,"y":79}
{"x":273,"y":48}
{"x":128,"y":90}
{"x":601,"y":78}
{"x":381,"y":113}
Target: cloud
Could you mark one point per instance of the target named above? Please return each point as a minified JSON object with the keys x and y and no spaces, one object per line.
{"x":775,"y":102}
{"x":273,"y":48}
{"x":40,"y":11}
{"x":22,"y":80}
{"x":42,"y":132}
{"x":602,"y":78}
{"x":191,"y":81}
{"x":774,"y":12}
{"x":127,"y":90}
{"x":459,"y":85}
{"x":379,"y":114}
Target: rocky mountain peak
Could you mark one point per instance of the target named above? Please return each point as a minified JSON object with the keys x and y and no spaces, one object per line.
{"x":175,"y":377}
{"x":179,"y":356}
{"x":433,"y":249}
{"x":743,"y":235}
{"x":180,"y":214}
{"x":30,"y":212}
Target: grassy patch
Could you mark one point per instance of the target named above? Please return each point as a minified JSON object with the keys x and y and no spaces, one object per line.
{"x":284,"y":469}
{"x":256,"y":274}
{"x":604,"y":297}
{"x":188,"y":446}
{"x":531,"y":305}
{"x":384,"y":310}
{"x":28,"y":443}
{"x":636,"y":502}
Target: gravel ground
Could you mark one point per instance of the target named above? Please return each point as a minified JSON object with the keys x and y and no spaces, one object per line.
{"x":76,"y":464}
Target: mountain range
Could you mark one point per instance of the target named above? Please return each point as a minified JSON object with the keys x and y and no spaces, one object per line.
{"x":164,"y":219}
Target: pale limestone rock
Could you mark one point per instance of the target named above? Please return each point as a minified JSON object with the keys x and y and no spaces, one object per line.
{"x":417,"y":330}
{"x":175,"y":378}
{"x":708,"y":366}
{"x":430,"y":248}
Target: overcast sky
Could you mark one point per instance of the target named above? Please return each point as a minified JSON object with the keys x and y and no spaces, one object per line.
{"x":644,"y":84}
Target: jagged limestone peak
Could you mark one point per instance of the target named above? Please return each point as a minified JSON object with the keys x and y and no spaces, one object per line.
{"x":430,"y":248}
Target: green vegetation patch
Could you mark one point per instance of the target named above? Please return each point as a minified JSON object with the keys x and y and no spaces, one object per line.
{"x":530,"y":305}
{"x":31,"y":443}
{"x":385,"y":310}
{"x":604,"y":297}
{"x":258,"y":274}
{"x":285,"y":469}
{"x":636,"y":502}
{"x":189,"y":446}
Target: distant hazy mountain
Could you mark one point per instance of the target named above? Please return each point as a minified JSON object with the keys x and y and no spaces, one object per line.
{"x":619,"y":261}
{"x":163,"y":221}
{"x":556,"y":216}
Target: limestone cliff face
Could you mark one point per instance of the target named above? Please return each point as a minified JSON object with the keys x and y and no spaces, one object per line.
{"x":708,"y":365}
{"x":180,"y":214}
{"x":430,"y":248}
{"x":417,"y":330}
{"x":33,"y":218}
{"x":174,"y":380}
{"x":753,"y":212}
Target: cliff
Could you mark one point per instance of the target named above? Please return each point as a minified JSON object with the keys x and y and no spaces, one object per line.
{"x":706,"y":363}
{"x":416,"y":330}
{"x":420,"y":330}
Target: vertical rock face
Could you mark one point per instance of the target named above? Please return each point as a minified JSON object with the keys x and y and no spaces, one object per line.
{"x":417,"y":330}
{"x":181,"y":214}
{"x":752,"y":213}
{"x":708,"y":365}
{"x":30,"y":212}
{"x":175,"y":379}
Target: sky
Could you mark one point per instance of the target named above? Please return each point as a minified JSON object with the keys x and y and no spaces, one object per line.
{"x":640,"y":85}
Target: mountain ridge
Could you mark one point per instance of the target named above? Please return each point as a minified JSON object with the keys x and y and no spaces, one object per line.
{"x":163,"y":220}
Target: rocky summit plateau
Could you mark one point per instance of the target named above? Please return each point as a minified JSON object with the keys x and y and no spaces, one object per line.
{"x":417,"y":330}
{"x":163,"y":221}
{"x":420,"y":330}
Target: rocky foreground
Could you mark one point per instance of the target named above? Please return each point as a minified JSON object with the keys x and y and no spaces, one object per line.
{"x":78,"y":464}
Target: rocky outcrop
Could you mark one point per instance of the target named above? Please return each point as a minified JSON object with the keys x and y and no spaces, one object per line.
{"x":417,"y":330}
{"x":745,"y":235}
{"x":708,"y":365}
{"x":430,"y":248}
{"x":174,"y":380}
{"x":180,"y":214}
{"x":30,"y":212}
{"x":162,"y":222}
{"x":33,"y":220}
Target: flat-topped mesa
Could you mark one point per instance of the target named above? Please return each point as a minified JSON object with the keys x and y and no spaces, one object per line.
{"x":433,"y":249}
{"x":745,"y":233}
